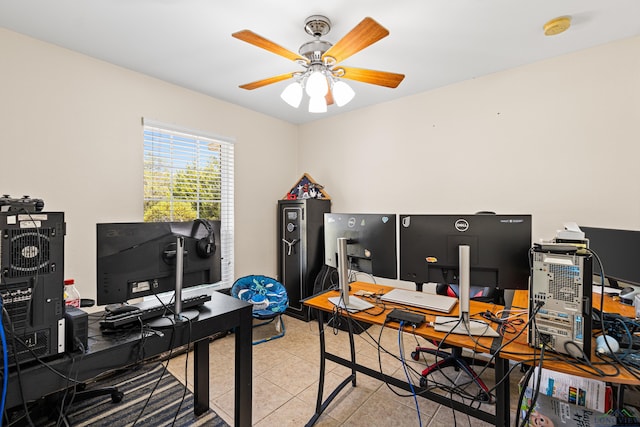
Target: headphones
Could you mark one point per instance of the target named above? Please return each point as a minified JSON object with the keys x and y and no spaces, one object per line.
{"x":206,"y":246}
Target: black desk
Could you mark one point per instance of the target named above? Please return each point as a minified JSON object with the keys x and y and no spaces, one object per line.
{"x":106,"y":353}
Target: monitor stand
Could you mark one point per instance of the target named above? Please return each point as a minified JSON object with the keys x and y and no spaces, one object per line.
{"x":178,"y":316}
{"x":345,"y":301}
{"x":463,"y":325}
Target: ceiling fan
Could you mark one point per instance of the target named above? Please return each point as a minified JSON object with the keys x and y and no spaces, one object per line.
{"x":322,"y":76}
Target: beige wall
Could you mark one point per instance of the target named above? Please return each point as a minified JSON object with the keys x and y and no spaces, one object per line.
{"x":72,"y":135}
{"x":558,"y":139}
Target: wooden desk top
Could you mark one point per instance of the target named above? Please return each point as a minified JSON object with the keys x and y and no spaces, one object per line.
{"x":518,"y":350}
{"x":378,"y":314}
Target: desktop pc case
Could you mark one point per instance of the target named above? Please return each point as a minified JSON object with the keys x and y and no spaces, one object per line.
{"x":32,"y":284}
{"x":562,"y":283}
{"x":300,"y":249}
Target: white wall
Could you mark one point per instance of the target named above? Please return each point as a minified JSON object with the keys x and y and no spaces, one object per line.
{"x":72,"y":135}
{"x":558,"y":139}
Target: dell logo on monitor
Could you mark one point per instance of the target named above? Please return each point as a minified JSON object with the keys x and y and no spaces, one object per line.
{"x":462,"y":224}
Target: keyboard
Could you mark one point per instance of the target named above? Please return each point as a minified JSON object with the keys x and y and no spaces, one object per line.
{"x":124,"y":320}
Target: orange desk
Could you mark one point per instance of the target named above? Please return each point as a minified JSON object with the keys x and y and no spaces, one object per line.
{"x":480,"y":344}
{"x":501,"y":349}
{"x":519,"y":350}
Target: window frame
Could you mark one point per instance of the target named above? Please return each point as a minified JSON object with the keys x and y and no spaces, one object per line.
{"x":226,"y":212}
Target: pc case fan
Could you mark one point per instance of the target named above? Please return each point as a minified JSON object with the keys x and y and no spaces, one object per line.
{"x":30,"y":252}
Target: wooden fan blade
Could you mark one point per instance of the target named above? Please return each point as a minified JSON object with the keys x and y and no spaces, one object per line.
{"x":267,"y":81}
{"x":366,"y":33}
{"x":329,"y":98}
{"x":256,"y":40}
{"x":380,"y":78}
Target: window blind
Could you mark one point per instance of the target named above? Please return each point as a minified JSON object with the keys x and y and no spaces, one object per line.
{"x":189,"y":174}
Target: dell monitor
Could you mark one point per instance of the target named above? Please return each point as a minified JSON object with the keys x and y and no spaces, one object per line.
{"x":498,"y":249}
{"x":370,"y":242}
{"x":141,"y":259}
{"x":618,"y":252}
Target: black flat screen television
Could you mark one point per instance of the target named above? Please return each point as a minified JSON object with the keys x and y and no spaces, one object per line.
{"x":499,"y":249}
{"x":371,"y":242}
{"x":618,"y":251}
{"x":139,"y":259}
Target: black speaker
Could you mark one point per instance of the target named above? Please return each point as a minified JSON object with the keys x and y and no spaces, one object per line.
{"x":77,"y":328}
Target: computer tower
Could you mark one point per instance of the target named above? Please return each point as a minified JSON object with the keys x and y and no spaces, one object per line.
{"x":560,"y":292}
{"x":32,"y":284}
{"x":300,"y":249}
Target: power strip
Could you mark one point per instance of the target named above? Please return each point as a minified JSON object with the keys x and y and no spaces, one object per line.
{"x":398,"y":315}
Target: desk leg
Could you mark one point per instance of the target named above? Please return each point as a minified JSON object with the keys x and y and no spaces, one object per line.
{"x":320,"y":405}
{"x":201,"y":377}
{"x":243,"y":371}
{"x":312,"y":421}
{"x":353,"y":352}
{"x":503,"y":411}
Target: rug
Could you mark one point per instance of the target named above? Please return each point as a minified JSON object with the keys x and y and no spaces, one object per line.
{"x":136,"y":384}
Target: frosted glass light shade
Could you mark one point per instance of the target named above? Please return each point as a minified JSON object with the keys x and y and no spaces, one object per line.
{"x":292,"y":94}
{"x":342,"y":93}
{"x":316,"y":85}
{"x":317,"y":104}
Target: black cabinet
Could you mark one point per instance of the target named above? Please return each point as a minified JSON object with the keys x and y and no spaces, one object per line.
{"x":300,"y":248}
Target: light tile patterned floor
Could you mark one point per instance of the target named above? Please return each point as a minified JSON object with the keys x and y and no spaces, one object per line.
{"x":285,"y":381}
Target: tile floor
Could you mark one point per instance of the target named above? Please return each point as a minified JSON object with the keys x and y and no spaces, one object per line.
{"x":285,"y":381}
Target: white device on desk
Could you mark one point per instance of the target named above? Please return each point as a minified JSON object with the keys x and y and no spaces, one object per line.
{"x":463,"y":325}
{"x":420,"y":299}
{"x":350,"y":303}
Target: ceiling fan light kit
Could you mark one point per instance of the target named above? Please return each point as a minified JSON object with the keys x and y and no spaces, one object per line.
{"x":292,"y":94}
{"x":317,"y":104}
{"x":322,"y":79}
{"x":342,"y":93}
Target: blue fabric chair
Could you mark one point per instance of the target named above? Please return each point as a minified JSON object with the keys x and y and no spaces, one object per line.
{"x":269,"y":299}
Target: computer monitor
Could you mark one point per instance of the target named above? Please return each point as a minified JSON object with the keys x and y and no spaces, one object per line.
{"x":618,"y":252}
{"x":371,"y":242}
{"x":498,"y":249}
{"x":139,"y":259}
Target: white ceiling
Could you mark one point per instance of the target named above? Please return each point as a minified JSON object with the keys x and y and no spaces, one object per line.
{"x":433,"y":42}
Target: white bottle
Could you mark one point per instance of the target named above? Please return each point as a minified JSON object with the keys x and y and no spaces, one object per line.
{"x":71,"y":294}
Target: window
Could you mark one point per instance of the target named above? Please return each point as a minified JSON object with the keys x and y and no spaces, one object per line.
{"x":189,"y":175}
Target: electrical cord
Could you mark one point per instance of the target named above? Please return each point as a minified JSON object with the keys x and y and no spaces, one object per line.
{"x":185,"y":389}
{"x":14,"y":339}
{"x":162,"y":372}
{"x":611,"y":354}
{"x":381,"y":350}
{"x":406,"y":372}
{"x":5,"y":366}
{"x":63,"y":415}
{"x":535,"y":392}
{"x":505,"y":325}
